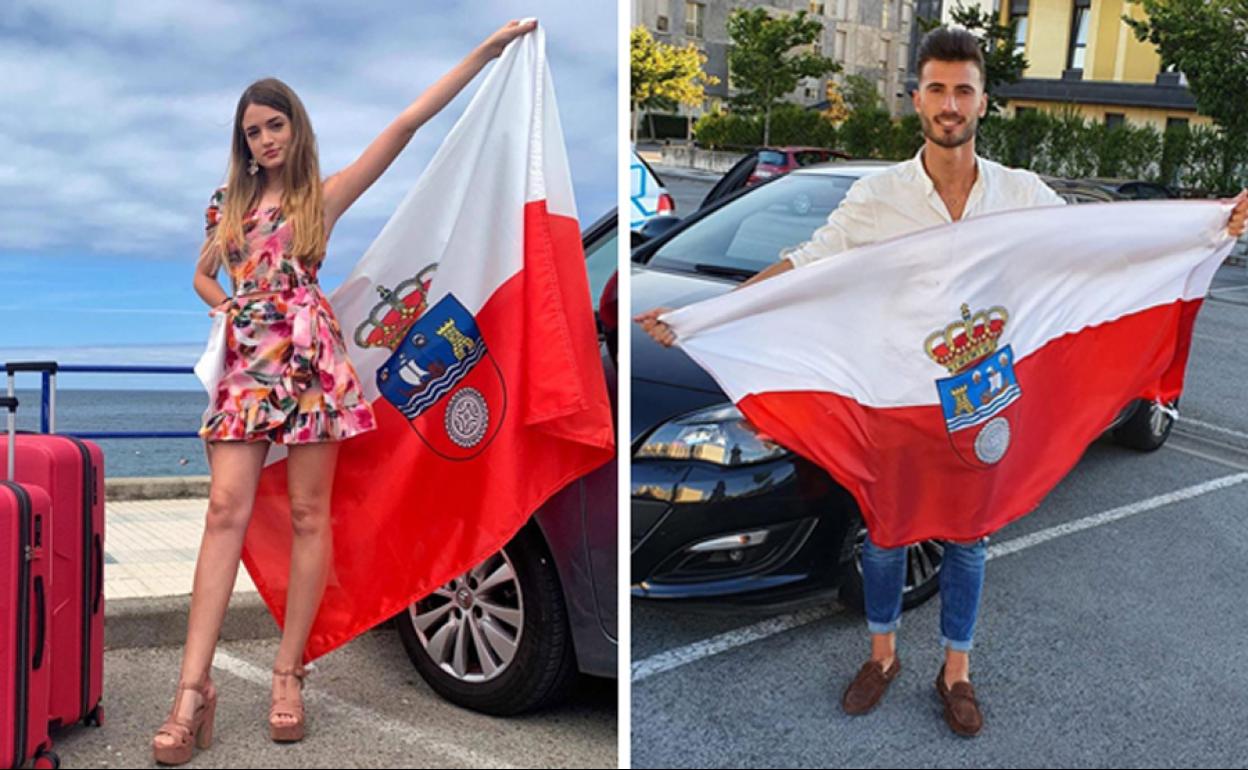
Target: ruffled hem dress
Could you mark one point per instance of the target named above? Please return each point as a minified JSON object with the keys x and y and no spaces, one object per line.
{"x":286,"y":376}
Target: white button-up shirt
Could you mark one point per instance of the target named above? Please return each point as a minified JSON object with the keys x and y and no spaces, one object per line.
{"x":903,"y":198}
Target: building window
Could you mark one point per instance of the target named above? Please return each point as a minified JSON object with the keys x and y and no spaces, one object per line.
{"x":662,"y":22}
{"x":842,"y":42}
{"x":693,"y":19}
{"x":1176,"y":123}
{"x":842,"y":9}
{"x":1021,"y":111}
{"x":816,"y":8}
{"x":1114,"y":119}
{"x":1018,"y":15}
{"x":887,"y":8}
{"x":1079,"y":35}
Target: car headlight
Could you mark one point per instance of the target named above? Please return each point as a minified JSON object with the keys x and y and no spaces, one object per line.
{"x":719,"y":435}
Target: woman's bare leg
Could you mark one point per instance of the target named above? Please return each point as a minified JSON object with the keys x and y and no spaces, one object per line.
{"x":310,"y":478}
{"x":235,"y":475}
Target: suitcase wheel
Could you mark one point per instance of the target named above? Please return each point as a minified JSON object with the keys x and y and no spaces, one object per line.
{"x":47,"y":760}
{"x":95,"y":717}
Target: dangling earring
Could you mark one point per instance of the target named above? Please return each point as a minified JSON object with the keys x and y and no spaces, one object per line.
{"x":253,"y":167}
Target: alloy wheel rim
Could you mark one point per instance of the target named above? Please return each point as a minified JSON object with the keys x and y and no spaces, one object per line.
{"x":471,"y":626}
{"x":923,"y":560}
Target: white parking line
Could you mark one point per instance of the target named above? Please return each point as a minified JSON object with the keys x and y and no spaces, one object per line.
{"x":680,"y":656}
{"x":1114,"y":514}
{"x":404,"y":731}
{"x":1212,"y":427}
{"x":670,"y":659}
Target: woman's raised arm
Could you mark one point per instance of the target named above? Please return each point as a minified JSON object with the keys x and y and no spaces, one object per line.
{"x":343,"y":188}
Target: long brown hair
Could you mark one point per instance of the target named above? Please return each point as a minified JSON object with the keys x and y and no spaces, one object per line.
{"x":302,"y":201}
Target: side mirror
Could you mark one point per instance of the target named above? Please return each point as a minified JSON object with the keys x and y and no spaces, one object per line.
{"x":653,"y":228}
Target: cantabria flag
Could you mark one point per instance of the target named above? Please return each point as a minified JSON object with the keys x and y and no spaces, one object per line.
{"x":950,"y":378}
{"x":469,"y":322}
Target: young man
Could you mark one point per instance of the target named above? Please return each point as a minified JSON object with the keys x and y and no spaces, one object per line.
{"x":945,"y":182}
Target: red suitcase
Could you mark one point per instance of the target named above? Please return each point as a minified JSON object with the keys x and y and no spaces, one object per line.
{"x":71,"y":471}
{"x":25,"y":645}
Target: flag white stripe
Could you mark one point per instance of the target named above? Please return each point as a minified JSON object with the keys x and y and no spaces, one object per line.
{"x":856,"y":324}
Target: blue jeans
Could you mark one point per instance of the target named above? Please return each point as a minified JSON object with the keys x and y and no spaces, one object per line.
{"x":961,"y":583}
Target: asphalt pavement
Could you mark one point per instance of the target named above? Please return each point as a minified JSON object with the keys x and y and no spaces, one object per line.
{"x":1112,"y":631}
{"x":366,"y":706}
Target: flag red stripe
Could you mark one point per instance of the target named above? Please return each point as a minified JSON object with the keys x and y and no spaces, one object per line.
{"x":900,"y":464}
{"x":405,"y":519}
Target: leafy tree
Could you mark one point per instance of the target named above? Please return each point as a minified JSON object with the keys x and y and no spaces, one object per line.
{"x":867,"y":131}
{"x":663,"y":75}
{"x":768,"y":56}
{"x":1207,"y":40}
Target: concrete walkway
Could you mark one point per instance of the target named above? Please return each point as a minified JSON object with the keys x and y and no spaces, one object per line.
{"x":150,"y":548}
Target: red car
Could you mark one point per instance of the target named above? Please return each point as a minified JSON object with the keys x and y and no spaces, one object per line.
{"x":774,"y":161}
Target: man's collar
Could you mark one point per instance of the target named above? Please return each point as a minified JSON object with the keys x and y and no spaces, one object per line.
{"x":919,"y":172}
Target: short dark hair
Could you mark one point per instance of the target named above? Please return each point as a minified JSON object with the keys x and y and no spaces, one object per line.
{"x":951,"y":44}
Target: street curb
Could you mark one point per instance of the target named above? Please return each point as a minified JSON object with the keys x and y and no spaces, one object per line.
{"x":160,"y":621}
{"x":155,"y":488}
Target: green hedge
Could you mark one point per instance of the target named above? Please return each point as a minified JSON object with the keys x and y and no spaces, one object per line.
{"x":867,"y":134}
{"x":1062,"y":143}
{"x":1066,"y":144}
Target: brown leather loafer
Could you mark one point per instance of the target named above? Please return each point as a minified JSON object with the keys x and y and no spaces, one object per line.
{"x":961,"y":709}
{"x":869,"y":686}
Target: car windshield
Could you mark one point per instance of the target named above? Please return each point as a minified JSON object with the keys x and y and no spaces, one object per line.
{"x":771,"y":158}
{"x":810,"y":157}
{"x":749,"y":232}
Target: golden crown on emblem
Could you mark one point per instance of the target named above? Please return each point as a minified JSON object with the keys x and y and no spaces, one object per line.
{"x":965,"y":341}
{"x":399,"y":308}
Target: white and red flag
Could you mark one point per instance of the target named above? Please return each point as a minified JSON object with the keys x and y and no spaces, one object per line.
{"x":950,"y":378}
{"x":469,"y":322}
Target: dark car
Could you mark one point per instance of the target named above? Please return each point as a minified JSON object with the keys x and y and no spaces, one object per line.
{"x":719,"y":511}
{"x":543,"y":607}
{"x":1132,"y":189}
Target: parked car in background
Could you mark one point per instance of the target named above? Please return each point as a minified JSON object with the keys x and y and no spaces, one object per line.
{"x":509,"y":635}
{"x":718,"y":510}
{"x":774,"y":161}
{"x":1133,"y":189}
{"x":647,"y":196}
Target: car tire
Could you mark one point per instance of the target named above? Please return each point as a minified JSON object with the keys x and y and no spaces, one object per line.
{"x":1147,"y":427}
{"x":542,"y":668}
{"x":922,"y":575}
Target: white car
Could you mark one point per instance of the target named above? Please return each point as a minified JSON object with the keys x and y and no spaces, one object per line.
{"x":647,"y":198}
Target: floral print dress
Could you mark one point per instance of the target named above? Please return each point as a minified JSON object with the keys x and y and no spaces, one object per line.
{"x":286,"y":378}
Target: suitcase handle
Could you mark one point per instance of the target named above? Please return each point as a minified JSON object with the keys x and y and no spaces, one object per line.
{"x":99,"y":575}
{"x":42,"y":621}
{"x":48,"y":369}
{"x":10,"y":403}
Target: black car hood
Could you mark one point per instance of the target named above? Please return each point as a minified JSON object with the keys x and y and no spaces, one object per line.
{"x":666,"y":382}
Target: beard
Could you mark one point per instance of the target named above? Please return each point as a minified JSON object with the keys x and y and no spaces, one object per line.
{"x":935,"y":132}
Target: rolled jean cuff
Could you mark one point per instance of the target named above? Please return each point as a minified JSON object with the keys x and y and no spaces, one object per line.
{"x":883,"y":628}
{"x":950,"y":644}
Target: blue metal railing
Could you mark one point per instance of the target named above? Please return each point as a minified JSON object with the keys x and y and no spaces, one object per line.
{"x":47,"y":395}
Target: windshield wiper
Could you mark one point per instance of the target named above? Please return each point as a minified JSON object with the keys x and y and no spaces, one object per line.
{"x":738,"y":273}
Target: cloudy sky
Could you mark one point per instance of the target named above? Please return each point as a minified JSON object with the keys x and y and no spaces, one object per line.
{"x":115,"y":127}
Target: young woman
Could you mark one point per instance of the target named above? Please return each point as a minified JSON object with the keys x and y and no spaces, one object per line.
{"x":286,"y":379}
